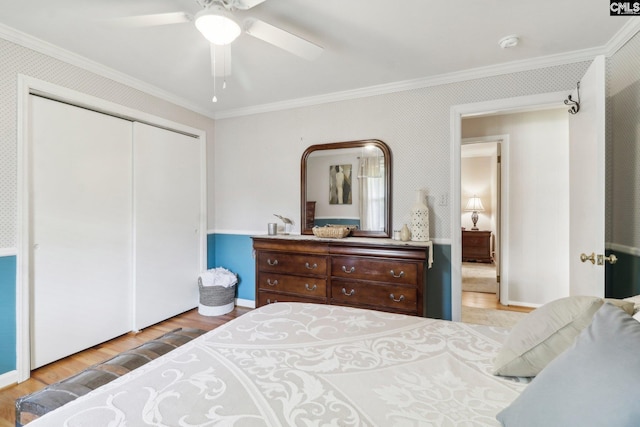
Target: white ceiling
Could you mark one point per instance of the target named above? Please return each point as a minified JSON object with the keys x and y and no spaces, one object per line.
{"x":367,"y":43}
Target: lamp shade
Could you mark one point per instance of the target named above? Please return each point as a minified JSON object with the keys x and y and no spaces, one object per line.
{"x":217,"y":25}
{"x":474,"y":204}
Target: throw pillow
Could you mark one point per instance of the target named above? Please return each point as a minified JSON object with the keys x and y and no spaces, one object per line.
{"x":543,"y":334}
{"x":589,"y":385}
{"x":627,"y":306}
{"x":636,"y":302}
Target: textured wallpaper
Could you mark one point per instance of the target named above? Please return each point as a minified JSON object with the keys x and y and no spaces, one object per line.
{"x":623,"y":146}
{"x":414,"y":123}
{"x":16,"y":60}
{"x":256,"y":158}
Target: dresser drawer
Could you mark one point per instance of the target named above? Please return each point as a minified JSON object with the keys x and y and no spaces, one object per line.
{"x":374,"y":273}
{"x":376,"y":270}
{"x":392,"y":297}
{"x":476,"y":246}
{"x":476,"y":240}
{"x":265,"y":298}
{"x":305,"y":286}
{"x":282,"y":262}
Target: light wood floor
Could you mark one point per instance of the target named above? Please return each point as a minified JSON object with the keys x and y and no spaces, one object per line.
{"x":73,"y":364}
{"x":484,"y":300}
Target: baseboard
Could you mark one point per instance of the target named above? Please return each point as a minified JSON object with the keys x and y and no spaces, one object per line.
{"x":245,"y":303}
{"x":523,"y":304}
{"x":8,"y":379}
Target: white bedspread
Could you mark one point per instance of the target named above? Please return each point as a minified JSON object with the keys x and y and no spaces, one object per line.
{"x":291,"y":364}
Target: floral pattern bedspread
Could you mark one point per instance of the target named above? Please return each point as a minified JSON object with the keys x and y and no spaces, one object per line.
{"x":293,"y":364}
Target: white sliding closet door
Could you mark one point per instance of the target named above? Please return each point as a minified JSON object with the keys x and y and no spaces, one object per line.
{"x":81,"y":228}
{"x":167,"y":217}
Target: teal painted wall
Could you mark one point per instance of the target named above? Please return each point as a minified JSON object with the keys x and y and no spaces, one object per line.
{"x":7,"y":314}
{"x":439,"y":284}
{"x":235,"y":252}
{"x":622,"y":279}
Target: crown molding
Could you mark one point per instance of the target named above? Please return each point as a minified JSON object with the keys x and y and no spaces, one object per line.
{"x":623,"y":36}
{"x":30,"y":42}
{"x":617,"y":41}
{"x":455,"y":77}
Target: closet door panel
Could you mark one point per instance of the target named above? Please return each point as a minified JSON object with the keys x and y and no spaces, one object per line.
{"x":81,"y":228}
{"x":167,"y":213}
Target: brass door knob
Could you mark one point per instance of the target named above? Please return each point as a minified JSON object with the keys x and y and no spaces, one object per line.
{"x":585,"y":257}
{"x":611,"y":259}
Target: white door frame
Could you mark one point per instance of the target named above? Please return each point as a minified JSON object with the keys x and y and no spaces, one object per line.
{"x":28,"y":86}
{"x":457,"y":112}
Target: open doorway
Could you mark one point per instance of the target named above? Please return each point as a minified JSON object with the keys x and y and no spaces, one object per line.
{"x":521,"y":221}
{"x":581,"y":204}
{"x":480,"y":191}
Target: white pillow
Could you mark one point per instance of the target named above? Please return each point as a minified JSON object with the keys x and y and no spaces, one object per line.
{"x":636,"y":303}
{"x":543,"y":334}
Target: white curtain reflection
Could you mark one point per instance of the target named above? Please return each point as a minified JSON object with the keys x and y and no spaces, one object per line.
{"x":371,"y":181}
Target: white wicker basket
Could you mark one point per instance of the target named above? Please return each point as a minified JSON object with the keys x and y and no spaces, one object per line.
{"x":216,"y":300}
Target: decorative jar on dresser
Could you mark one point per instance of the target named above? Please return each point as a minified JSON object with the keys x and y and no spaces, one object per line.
{"x":381,"y":274}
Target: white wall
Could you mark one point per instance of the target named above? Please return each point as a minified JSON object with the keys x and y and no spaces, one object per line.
{"x":257,"y":157}
{"x":538,"y":206}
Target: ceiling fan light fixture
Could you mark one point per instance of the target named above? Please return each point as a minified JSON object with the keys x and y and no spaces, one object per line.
{"x":217,"y":25}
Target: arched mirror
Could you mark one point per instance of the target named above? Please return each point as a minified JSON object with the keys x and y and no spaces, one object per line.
{"x":347,"y":183}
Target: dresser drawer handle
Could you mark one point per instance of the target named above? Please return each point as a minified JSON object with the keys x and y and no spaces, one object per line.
{"x":309,"y":288}
{"x":270,"y":283}
{"x":351,"y":270}
{"x":397,"y":275}
{"x":396,"y":300}
{"x":310,"y":267}
{"x":269,"y":300}
{"x":275,"y":262}
{"x":351,"y":292}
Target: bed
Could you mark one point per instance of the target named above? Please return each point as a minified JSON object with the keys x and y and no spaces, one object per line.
{"x":306,"y":364}
{"x":295,"y":364}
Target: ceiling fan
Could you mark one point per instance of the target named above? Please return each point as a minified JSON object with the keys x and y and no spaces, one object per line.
{"x":219,"y":26}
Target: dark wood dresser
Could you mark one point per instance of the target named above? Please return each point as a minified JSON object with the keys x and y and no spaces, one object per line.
{"x":381,"y":274}
{"x":476,"y":246}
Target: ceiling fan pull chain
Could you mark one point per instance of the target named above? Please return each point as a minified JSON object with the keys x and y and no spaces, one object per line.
{"x":224,"y":67}
{"x":215,"y":98}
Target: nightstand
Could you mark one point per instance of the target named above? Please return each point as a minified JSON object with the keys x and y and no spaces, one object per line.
{"x":476,"y":246}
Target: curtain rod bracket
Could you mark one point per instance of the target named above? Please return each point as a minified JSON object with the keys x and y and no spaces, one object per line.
{"x":575,"y":105}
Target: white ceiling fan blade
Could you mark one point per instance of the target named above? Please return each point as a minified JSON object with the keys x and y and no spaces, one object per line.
{"x":282,"y":39}
{"x":154,"y":19}
{"x":246,"y":4}
{"x":220,"y":60}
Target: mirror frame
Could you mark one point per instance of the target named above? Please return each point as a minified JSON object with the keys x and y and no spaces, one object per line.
{"x":348,"y":144}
